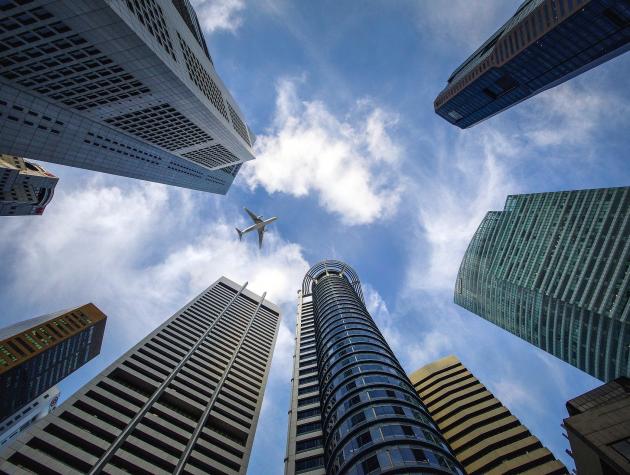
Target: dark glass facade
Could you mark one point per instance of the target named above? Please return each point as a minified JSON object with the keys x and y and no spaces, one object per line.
{"x":38,"y":353}
{"x":544,"y":44}
{"x":371,"y":419}
{"x":553,"y":269}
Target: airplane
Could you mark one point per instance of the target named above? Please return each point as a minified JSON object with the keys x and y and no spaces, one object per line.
{"x":259,"y":225}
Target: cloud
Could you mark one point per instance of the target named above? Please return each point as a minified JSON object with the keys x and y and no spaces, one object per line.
{"x":471,"y":179}
{"x":452,"y":21}
{"x":568,"y":115}
{"x":139,"y":253}
{"x":351,"y":164}
{"x":217,"y":15}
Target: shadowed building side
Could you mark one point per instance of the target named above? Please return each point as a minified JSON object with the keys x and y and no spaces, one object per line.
{"x":545,"y":43}
{"x":598,"y":429}
{"x":484,"y":436}
{"x":38,"y":353}
{"x":186,"y":399}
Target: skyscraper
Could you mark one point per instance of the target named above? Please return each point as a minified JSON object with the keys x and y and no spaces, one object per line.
{"x":553,"y":269}
{"x":122,"y":87}
{"x":545,"y":43}
{"x":32,"y":412}
{"x":25,"y":187}
{"x":353,"y":409}
{"x":38,"y":353}
{"x":483,"y":434}
{"x":598,"y":429}
{"x":185,"y":399}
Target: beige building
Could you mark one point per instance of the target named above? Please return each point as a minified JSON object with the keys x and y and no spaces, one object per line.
{"x":484,"y":436}
{"x":25,"y":187}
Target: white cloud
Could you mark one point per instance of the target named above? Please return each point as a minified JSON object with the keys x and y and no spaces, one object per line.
{"x":351,"y":165}
{"x":567,"y":115}
{"x":472,"y":179}
{"x":514,"y":395}
{"x":463,"y":22}
{"x":217,"y":15}
{"x":139,"y":254}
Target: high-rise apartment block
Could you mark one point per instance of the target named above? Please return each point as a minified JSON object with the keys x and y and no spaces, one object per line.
{"x":483,"y":434}
{"x":186,"y":399}
{"x":545,"y":43}
{"x":122,"y":87}
{"x":554,"y":269}
{"x":38,"y":353}
{"x":598,"y":428}
{"x":25,"y":187}
{"x":34,"y":411}
{"x":353,"y":409}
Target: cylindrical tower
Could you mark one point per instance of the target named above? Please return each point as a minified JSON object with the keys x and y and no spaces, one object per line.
{"x":372,"y":420}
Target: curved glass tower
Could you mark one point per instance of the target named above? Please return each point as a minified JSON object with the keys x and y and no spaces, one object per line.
{"x":554,"y":270}
{"x":370,"y":419}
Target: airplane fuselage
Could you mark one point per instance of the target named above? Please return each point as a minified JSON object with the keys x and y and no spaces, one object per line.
{"x":260,"y":225}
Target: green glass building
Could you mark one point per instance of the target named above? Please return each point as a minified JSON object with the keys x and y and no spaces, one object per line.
{"x":554,"y":269}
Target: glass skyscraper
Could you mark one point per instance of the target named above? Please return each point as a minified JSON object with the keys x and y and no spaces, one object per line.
{"x":118,"y":86}
{"x":554,"y":269}
{"x":38,"y":353}
{"x":545,"y":43}
{"x":353,"y":408}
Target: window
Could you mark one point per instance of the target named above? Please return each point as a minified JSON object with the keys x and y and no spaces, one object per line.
{"x":308,"y":444}
{"x":364,"y":439}
{"x":309,"y":464}
{"x":622,"y":447}
{"x":370,"y":464}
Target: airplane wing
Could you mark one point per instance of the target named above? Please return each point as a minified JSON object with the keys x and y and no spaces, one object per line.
{"x":261,"y":232}
{"x":255,"y":218}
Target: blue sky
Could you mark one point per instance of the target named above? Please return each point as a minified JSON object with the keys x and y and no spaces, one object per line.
{"x":358,"y":167}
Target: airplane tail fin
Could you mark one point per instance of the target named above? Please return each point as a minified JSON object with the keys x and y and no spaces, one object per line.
{"x":240,"y":234}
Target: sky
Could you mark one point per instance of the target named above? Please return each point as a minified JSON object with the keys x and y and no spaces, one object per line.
{"x":357,"y":166}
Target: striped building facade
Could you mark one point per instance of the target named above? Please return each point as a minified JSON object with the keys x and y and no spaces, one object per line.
{"x":483,"y":434}
{"x":554,"y":269}
{"x":186,"y":399}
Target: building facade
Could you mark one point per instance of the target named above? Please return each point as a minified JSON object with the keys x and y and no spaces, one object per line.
{"x":38,"y":353}
{"x":598,"y":428}
{"x":25,"y":187}
{"x":545,"y":43}
{"x":25,"y":416}
{"x":552,"y":268}
{"x":483,"y":434}
{"x":186,"y":399}
{"x":353,"y":409}
{"x":122,"y":87}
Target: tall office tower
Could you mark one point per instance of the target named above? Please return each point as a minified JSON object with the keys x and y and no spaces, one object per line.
{"x":121,"y":87}
{"x":483,"y":434}
{"x":25,"y":416}
{"x":185,"y":399}
{"x":38,"y":353}
{"x":553,"y":269}
{"x":545,"y":43}
{"x":353,"y":409}
{"x":25,"y":187}
{"x":598,"y":429}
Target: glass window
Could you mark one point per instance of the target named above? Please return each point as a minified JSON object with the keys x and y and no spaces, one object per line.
{"x":370,"y":464}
